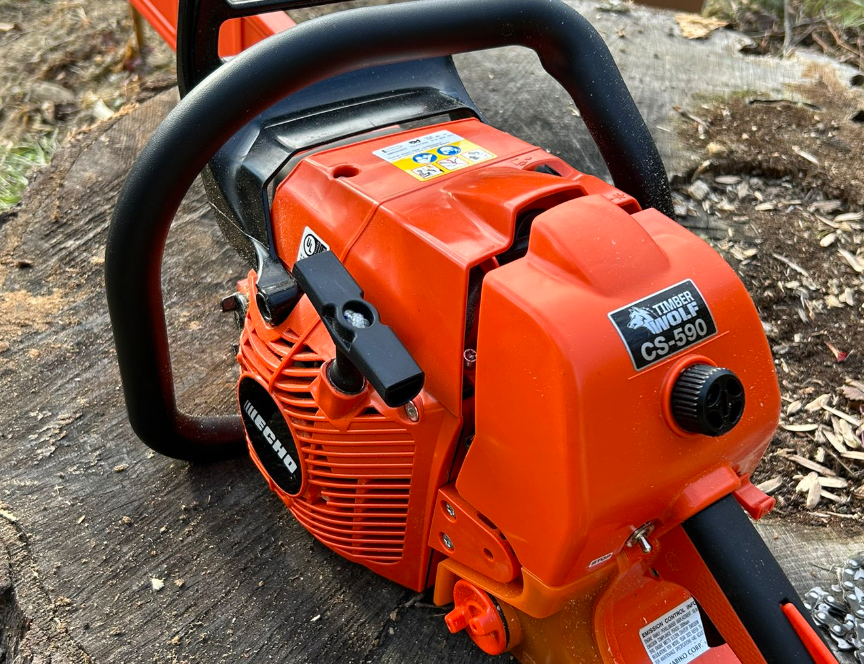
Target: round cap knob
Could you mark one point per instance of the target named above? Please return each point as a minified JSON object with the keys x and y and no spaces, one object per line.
{"x":707,"y":400}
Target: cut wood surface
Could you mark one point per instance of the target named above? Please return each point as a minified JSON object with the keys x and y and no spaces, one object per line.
{"x":110,"y":554}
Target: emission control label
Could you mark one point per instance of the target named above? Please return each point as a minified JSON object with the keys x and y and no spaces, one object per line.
{"x":431,"y":156}
{"x":664,"y":323}
{"x":676,"y":637}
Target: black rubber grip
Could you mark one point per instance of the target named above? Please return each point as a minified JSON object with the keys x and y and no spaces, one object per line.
{"x":569,"y":48}
{"x":751,"y":579}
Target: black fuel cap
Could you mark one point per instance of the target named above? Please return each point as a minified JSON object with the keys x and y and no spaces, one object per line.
{"x":707,"y":400}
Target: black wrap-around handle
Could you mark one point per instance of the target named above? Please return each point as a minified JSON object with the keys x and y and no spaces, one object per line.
{"x":569,"y":49}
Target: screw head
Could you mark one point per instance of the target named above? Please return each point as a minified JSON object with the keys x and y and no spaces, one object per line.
{"x":447,"y":541}
{"x":470,"y":357}
{"x":449,"y":509}
{"x":412,"y":412}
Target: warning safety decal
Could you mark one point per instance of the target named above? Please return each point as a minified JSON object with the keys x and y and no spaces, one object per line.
{"x":677,"y":637}
{"x":434,"y":155}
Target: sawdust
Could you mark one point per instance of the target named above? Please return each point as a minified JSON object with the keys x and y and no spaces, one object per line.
{"x":24,"y":313}
{"x":694,"y":26}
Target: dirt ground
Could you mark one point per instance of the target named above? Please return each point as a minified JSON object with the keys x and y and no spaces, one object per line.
{"x":782,"y":182}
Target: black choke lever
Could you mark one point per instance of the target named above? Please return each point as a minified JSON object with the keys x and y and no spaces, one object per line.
{"x":365,"y":347}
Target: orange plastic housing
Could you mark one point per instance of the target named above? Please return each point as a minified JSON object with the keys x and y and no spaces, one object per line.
{"x":236,"y":36}
{"x":571,"y":448}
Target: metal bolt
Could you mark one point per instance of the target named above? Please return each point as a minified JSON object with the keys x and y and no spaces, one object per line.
{"x":411,"y":411}
{"x":449,"y":509}
{"x":447,"y":541}
{"x":640,"y":538}
{"x":470,"y":357}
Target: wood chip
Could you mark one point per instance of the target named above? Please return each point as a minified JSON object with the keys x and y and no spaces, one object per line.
{"x":800,"y":428}
{"x":817,"y":403}
{"x":805,"y":155}
{"x":807,"y":483}
{"x":828,"y":240}
{"x":793,"y":265}
{"x":858,"y":456}
{"x":833,"y":482}
{"x":833,"y":496}
{"x":834,"y":440}
{"x":794,"y":407}
{"x":812,"y":465}
{"x":813,"y":496}
{"x":852,"y":260}
{"x":854,"y":421}
{"x":770,"y":486}
{"x":849,"y":216}
{"x":845,"y":431}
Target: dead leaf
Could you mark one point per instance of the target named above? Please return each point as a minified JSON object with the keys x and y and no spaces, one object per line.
{"x":694,"y":26}
{"x":852,"y":391}
{"x":839,"y":355}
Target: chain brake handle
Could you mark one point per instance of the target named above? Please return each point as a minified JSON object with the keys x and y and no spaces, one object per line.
{"x":570,"y":49}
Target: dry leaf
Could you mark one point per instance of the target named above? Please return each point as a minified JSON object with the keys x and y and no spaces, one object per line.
{"x":852,"y":392}
{"x":839,"y":355}
{"x":694,"y":26}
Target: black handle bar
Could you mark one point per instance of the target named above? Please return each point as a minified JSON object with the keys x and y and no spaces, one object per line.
{"x":569,"y":49}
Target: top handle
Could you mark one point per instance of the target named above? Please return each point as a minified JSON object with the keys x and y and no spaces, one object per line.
{"x":569,"y":48}
{"x":198,"y":25}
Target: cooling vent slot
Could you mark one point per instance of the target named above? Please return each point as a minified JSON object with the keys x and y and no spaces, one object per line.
{"x":359,"y":480}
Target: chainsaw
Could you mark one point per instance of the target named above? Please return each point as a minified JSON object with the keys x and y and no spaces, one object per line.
{"x":463,"y":363}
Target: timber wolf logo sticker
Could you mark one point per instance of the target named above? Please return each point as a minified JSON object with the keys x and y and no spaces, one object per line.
{"x":663,"y":324}
{"x":639,"y":317}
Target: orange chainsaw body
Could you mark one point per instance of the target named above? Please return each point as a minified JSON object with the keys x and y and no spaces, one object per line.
{"x":524,"y":473}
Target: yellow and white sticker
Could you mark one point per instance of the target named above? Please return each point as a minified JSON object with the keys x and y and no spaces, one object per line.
{"x":431,"y":156}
